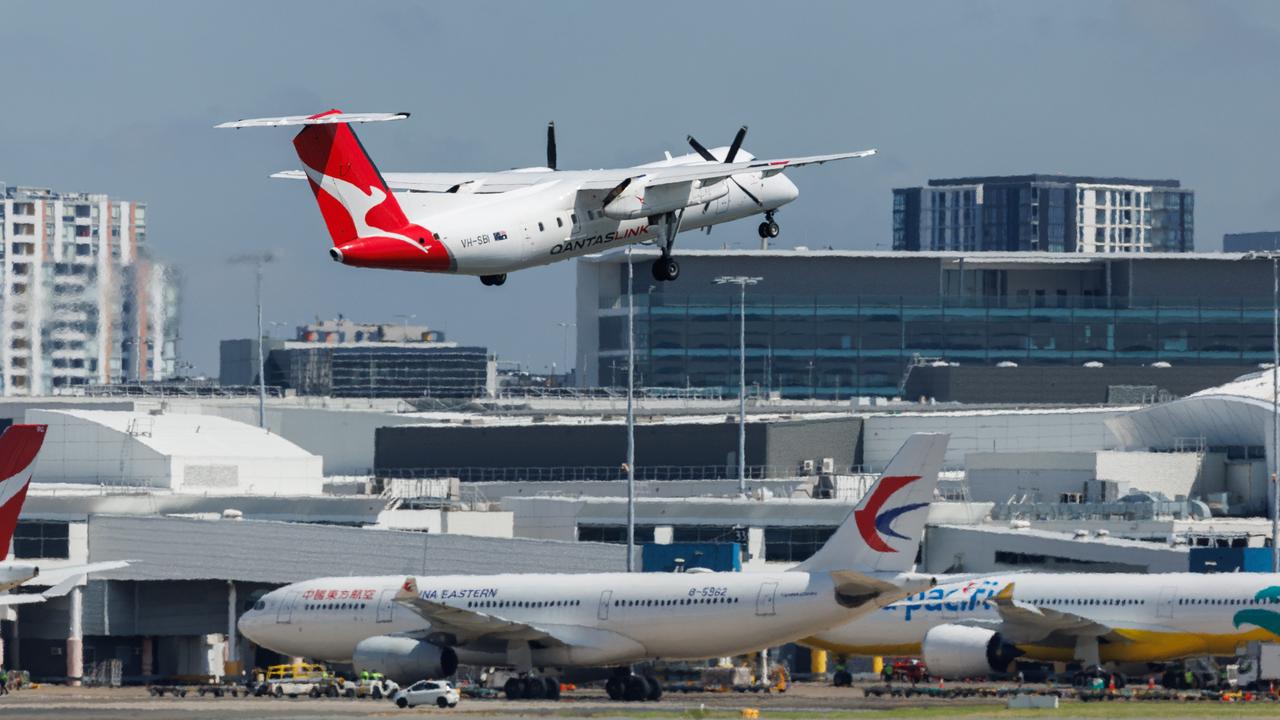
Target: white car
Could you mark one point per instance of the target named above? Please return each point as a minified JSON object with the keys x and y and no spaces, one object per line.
{"x":427,"y":692}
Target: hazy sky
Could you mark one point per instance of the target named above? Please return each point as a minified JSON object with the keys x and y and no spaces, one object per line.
{"x":121,"y":98}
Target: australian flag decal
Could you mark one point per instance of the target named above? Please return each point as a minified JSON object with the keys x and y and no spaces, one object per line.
{"x":499,"y":235}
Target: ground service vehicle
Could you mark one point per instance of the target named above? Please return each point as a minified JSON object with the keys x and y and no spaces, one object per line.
{"x":427,"y":692}
{"x":291,"y":680}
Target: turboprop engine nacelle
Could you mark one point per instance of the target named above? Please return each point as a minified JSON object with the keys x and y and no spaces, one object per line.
{"x":404,"y":659}
{"x":960,"y":651}
{"x":632,"y":199}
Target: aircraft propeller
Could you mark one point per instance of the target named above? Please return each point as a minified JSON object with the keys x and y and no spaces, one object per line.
{"x":551,"y":145}
{"x":728,"y":158}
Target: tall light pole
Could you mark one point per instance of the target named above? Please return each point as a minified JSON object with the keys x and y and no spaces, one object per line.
{"x":258,"y":260}
{"x":564,"y":344}
{"x":742,"y":281}
{"x":631,"y":417}
{"x":1274,"y":257}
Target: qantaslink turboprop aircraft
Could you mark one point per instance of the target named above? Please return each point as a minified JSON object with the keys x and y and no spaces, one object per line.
{"x":409,"y":628}
{"x":492,"y":223}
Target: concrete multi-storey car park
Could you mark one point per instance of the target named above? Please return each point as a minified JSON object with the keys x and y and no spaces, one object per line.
{"x":82,"y":301}
{"x":839,"y":324}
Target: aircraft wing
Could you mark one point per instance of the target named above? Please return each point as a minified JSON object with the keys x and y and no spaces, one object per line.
{"x":58,"y":576}
{"x":713,"y":172}
{"x":462,"y":625}
{"x":1023,"y":622}
{"x":64,"y":585}
{"x":7,"y":599}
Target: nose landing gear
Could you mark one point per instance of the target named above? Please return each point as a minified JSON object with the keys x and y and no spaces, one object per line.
{"x":768,"y":228}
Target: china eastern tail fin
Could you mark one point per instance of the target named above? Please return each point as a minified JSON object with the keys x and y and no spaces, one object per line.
{"x":884,"y":531}
{"x":19,"y":446}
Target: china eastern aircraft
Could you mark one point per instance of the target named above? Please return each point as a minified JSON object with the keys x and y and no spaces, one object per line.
{"x":971,"y":628}
{"x":492,"y":223}
{"x":413,"y":627}
{"x":19,"y":447}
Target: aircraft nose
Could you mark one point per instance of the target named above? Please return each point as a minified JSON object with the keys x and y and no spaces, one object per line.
{"x":249,"y":623}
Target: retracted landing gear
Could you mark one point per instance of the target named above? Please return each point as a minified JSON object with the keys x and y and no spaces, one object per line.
{"x":665,"y":268}
{"x":493,"y":280}
{"x":626,"y":685}
{"x":768,"y":228}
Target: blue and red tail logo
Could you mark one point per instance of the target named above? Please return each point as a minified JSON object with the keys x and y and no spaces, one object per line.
{"x":873,"y":524}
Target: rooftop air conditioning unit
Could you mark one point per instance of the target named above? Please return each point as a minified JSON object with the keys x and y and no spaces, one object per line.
{"x":806,"y":467}
{"x":828,"y":466}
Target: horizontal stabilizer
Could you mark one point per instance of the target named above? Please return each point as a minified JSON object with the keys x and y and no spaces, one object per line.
{"x":332,"y":117}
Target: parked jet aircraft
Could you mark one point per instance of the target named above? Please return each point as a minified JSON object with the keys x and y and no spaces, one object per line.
{"x":414,"y":627}
{"x":978,"y":626}
{"x":492,"y":223}
{"x":19,"y":447}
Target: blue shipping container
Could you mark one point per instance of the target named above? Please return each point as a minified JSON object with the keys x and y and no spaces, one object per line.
{"x":721,"y":557}
{"x":1210,"y":560}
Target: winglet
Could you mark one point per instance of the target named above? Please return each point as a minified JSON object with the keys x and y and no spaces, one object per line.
{"x":408,"y":590}
{"x":1004,"y":597}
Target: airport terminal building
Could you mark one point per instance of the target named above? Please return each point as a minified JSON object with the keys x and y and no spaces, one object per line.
{"x":840,"y":324}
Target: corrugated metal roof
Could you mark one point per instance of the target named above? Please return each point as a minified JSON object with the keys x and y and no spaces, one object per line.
{"x":167,"y":548}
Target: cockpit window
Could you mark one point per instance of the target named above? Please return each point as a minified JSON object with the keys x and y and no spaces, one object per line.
{"x":260,"y":605}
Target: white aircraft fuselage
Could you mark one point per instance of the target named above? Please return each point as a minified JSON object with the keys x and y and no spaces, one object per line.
{"x":1151,"y":618}
{"x":616,"y":618}
{"x":549,"y":221}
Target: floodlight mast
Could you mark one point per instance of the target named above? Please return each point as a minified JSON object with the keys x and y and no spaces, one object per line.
{"x":1274,"y":257}
{"x":742,"y":281}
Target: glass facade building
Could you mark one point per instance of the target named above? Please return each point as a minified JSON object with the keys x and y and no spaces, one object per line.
{"x":835,"y":343}
{"x":1047,"y":213}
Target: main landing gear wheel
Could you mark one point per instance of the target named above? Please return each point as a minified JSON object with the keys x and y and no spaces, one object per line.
{"x":666,"y":269}
{"x":636,"y":689}
{"x":553,"y":688}
{"x":513,"y":689}
{"x":534,"y":688}
{"x":616,"y":687}
{"x":493,"y":280}
{"x":654,"y":690}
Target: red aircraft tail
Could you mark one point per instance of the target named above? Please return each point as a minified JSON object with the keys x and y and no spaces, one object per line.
{"x":19,"y":446}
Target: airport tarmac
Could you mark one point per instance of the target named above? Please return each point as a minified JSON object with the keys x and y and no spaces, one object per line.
{"x":802,"y":700}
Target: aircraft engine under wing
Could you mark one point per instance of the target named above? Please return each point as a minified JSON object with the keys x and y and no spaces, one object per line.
{"x":639,"y":199}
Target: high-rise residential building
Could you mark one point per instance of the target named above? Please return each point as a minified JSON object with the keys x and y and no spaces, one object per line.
{"x":81,"y":299}
{"x":1048,"y":213}
{"x":1251,"y":241}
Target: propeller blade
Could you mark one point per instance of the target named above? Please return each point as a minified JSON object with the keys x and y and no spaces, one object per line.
{"x":705,"y":153}
{"x":551,"y":145}
{"x":737,"y":144}
{"x":615,"y":192}
{"x":747,"y":192}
